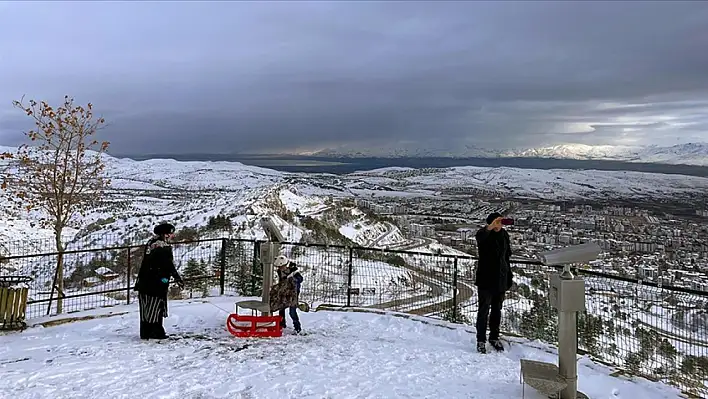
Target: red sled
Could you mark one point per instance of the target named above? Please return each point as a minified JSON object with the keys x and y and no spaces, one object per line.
{"x":254,"y":326}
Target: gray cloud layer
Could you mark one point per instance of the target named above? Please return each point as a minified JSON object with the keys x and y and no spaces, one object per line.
{"x":269,"y":76}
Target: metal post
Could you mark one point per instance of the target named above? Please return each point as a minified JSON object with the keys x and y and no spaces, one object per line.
{"x":349,"y":277}
{"x":222,"y":266}
{"x":454,"y":291}
{"x":568,"y":295}
{"x":567,"y":353}
{"x":128,"y":287}
{"x":268,"y":254}
{"x":51,"y":294}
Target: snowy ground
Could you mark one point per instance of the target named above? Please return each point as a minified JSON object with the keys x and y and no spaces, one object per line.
{"x":345,"y":355}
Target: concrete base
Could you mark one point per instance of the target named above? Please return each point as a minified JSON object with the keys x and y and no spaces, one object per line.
{"x":541,"y":376}
{"x":544,"y":378}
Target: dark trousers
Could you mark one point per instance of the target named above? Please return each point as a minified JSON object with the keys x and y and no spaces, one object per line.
{"x":489,"y":312}
{"x":293,"y":315}
{"x":152,"y":311}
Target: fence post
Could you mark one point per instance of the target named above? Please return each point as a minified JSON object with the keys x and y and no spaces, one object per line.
{"x":454,"y":291}
{"x":51,"y":294}
{"x":130,"y":271}
{"x":349,"y":277}
{"x":222,"y":266}
{"x":254,"y":266}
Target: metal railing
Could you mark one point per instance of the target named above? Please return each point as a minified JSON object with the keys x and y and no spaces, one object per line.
{"x":654,"y":331}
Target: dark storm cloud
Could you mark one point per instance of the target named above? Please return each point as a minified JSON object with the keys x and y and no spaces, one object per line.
{"x":238,"y":76}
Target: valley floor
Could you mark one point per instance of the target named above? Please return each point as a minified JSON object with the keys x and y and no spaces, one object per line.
{"x":343,"y":355}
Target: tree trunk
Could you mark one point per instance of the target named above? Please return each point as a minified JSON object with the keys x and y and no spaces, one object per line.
{"x":60,"y":270}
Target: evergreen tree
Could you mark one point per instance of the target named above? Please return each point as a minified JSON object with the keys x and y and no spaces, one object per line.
{"x":247,"y":272}
{"x":219,"y":222}
{"x":590,"y":330}
{"x":187,"y":234}
{"x":456,"y":316}
{"x":194,"y":276}
{"x":120,"y":262}
{"x":541,"y":321}
{"x":244,"y":274}
{"x":648,"y":340}
{"x":667,"y":350}
{"x":633,"y":362}
{"x":230,"y":276}
{"x":694,"y":365}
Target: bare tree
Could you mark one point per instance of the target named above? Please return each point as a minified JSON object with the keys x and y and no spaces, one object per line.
{"x":62,"y":174}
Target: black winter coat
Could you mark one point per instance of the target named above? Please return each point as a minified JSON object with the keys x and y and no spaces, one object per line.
{"x":156,"y":268}
{"x":494,"y":267}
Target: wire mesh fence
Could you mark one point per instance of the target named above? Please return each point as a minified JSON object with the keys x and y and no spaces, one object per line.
{"x":82,"y":279}
{"x":659,"y":332}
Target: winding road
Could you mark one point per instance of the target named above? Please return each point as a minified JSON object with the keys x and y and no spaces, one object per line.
{"x":390,"y":229}
{"x":435,"y":298}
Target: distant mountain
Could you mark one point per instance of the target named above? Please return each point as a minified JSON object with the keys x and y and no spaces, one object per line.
{"x":552,"y":184}
{"x":681,"y":154}
{"x":686,"y":154}
{"x":580,"y":151}
{"x":406,"y":150}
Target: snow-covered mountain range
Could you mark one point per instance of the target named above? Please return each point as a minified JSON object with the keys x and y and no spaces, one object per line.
{"x":189,"y":193}
{"x":681,"y":154}
{"x":543,"y":184}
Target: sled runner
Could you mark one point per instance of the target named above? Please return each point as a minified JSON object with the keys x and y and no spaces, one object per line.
{"x":253,"y":325}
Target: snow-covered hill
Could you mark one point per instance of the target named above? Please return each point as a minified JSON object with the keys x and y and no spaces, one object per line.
{"x":681,"y":154}
{"x":535,"y":183}
{"x":144,"y":193}
{"x":189,"y":194}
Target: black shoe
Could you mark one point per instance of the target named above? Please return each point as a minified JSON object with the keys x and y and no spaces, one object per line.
{"x":497,"y":345}
{"x":482,"y":347}
{"x":157,"y":331}
{"x":144,"y":330}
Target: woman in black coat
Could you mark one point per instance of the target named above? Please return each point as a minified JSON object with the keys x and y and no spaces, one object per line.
{"x":154,"y":280}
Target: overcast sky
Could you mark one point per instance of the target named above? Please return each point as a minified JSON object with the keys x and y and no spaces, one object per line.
{"x":276,"y":76}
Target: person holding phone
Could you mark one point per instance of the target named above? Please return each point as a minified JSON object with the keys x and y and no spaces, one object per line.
{"x":493,"y":279}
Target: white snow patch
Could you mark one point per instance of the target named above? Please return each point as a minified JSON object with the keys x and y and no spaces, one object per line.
{"x":345,"y":355}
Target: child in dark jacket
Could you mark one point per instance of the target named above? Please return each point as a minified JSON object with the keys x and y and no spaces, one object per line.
{"x":288,"y":270}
